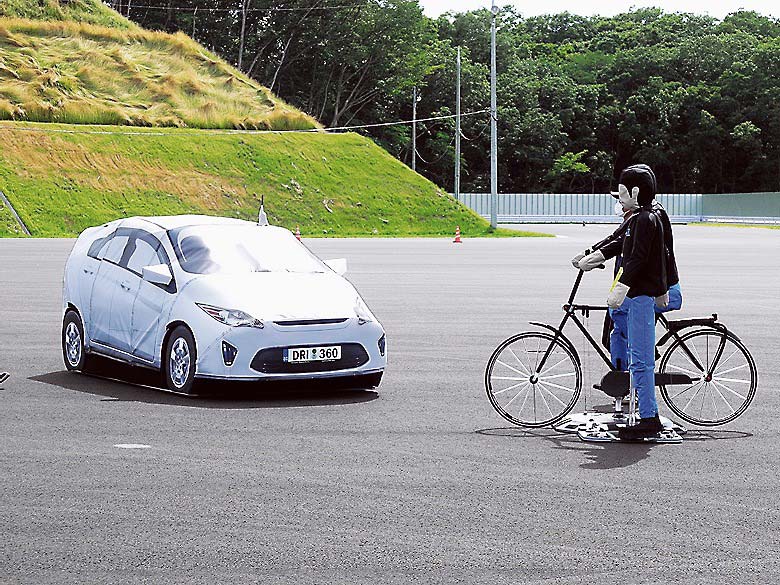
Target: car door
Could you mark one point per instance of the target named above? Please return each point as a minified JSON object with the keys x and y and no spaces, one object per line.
{"x":151,"y":299}
{"x":87,"y":274}
{"x":102,"y":330}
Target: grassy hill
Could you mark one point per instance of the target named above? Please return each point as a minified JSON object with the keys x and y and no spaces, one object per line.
{"x":75,"y":75}
{"x":61,"y":179}
{"x":76,"y":72}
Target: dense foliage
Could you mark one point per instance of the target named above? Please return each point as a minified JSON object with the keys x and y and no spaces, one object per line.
{"x":579,"y":98}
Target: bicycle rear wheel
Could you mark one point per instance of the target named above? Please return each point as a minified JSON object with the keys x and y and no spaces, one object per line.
{"x":711,"y":400}
{"x":525,"y":394}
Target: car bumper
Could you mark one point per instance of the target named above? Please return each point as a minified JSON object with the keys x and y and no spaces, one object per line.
{"x":258,"y":352}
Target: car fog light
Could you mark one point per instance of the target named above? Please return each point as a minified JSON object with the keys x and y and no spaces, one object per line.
{"x":229,"y":353}
{"x":381,"y":343}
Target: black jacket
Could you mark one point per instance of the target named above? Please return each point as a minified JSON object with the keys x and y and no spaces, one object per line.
{"x":644,"y":255}
{"x":612,"y":245}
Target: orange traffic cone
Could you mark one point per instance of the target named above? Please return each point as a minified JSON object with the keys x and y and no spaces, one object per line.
{"x":457,"y":239}
{"x":298,"y":233}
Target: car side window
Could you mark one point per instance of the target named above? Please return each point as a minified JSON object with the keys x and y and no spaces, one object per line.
{"x":99,"y":246}
{"x":144,"y":254}
{"x":116,"y":247}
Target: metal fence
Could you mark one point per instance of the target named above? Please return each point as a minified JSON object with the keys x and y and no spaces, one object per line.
{"x":682,"y":207}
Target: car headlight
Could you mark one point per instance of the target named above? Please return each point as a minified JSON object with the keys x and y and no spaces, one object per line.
{"x":231,"y":317}
{"x":362,"y":312}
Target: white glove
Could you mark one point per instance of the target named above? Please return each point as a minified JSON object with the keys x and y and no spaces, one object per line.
{"x":592,"y":261}
{"x":617,"y":295}
{"x":663,"y":301}
{"x":629,"y":201}
{"x":576,"y":260}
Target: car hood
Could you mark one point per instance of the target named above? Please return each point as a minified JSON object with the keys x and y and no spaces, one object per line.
{"x":274,"y":296}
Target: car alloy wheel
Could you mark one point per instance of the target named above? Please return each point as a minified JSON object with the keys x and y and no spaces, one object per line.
{"x":179,"y":360}
{"x":73,"y":352}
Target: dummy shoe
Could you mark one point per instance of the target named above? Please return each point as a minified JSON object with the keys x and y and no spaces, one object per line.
{"x":591,"y":261}
{"x":646,"y":427}
{"x":617,"y":295}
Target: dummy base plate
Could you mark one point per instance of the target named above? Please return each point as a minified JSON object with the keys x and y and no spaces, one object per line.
{"x":609,"y":434}
{"x":584,"y":421}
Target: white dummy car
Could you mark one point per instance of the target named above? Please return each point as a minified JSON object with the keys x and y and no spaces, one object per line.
{"x":208,"y":297}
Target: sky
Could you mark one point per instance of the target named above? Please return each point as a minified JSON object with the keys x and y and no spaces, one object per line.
{"x":716,"y":8}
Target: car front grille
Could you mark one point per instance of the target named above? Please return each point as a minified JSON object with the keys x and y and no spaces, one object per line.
{"x":298,"y":322}
{"x":271,"y":361}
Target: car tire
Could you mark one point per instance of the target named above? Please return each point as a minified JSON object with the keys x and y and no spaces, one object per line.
{"x":178,"y":361}
{"x":74,"y":353}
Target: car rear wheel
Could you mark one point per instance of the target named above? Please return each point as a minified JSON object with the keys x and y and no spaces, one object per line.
{"x":179,"y":358}
{"x":73,"y":352}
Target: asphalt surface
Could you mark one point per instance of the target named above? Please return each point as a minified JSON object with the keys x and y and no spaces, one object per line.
{"x":420,"y":482}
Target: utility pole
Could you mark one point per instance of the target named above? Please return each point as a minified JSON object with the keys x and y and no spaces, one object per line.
{"x":244,"y":7}
{"x":414,"y":128}
{"x":493,"y":120}
{"x":457,"y":130}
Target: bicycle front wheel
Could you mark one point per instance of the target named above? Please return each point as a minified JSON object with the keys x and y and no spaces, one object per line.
{"x":526,"y":394}
{"x":714,"y":399}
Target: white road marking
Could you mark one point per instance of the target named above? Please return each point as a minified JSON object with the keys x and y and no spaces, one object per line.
{"x":132,"y":446}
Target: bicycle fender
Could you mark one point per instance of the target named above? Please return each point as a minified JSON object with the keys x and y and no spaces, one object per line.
{"x":716,"y":326}
{"x":562,"y":337}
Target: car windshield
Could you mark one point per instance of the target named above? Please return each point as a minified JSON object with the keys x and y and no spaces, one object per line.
{"x":206,"y":249}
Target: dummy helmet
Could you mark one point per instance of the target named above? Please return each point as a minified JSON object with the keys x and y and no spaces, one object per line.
{"x":640,"y":185}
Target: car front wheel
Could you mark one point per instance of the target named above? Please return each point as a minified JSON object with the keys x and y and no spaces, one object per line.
{"x":179,"y":359}
{"x":73,"y":352}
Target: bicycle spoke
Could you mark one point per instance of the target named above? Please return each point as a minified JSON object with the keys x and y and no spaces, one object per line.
{"x":692,"y":397}
{"x":569,"y":390}
{"x":730,"y":390}
{"x":538,"y":348}
{"x":556,"y":376}
{"x":512,"y":387}
{"x":696,"y":353}
{"x":555,"y":366}
{"x":516,"y":395}
{"x":554,"y":396}
{"x":515,"y":370}
{"x":545,"y":402}
{"x":508,"y":378}
{"x":720,"y":379}
{"x":684,"y":370}
{"x":730,"y":370}
{"x":688,"y":388}
{"x":520,"y":363}
{"x":724,"y":399}
{"x":731,"y":356}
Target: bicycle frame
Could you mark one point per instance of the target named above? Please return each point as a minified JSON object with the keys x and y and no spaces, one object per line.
{"x":570,"y":313}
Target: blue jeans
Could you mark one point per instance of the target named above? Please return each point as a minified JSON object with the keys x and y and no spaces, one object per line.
{"x":641,"y":351}
{"x":618,"y":339}
{"x":675,"y":300}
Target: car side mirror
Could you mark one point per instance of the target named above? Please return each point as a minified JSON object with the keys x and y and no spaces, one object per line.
{"x":337,"y":265}
{"x":157,"y":274}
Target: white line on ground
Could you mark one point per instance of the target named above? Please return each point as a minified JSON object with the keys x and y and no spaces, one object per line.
{"x":132,"y":446}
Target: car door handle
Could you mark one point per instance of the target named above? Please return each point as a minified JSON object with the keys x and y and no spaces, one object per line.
{"x":125,"y":286}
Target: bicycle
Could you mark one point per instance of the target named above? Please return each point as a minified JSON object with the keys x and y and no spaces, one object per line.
{"x":545,"y":394}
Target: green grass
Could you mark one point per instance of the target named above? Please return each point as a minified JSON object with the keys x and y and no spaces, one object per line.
{"x":79,"y":73}
{"x":737,"y":225}
{"x":87,"y":11}
{"x":328,"y":184}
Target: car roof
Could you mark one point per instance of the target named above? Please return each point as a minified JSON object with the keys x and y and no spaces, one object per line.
{"x":169,"y":222}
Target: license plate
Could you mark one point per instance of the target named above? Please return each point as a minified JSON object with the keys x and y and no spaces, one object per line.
{"x":300,"y":355}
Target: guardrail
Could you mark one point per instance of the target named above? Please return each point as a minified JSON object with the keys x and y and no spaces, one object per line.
{"x":599,"y":208}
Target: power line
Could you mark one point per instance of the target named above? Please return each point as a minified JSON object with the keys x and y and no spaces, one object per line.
{"x":238,"y":10}
{"x":222,"y":131}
